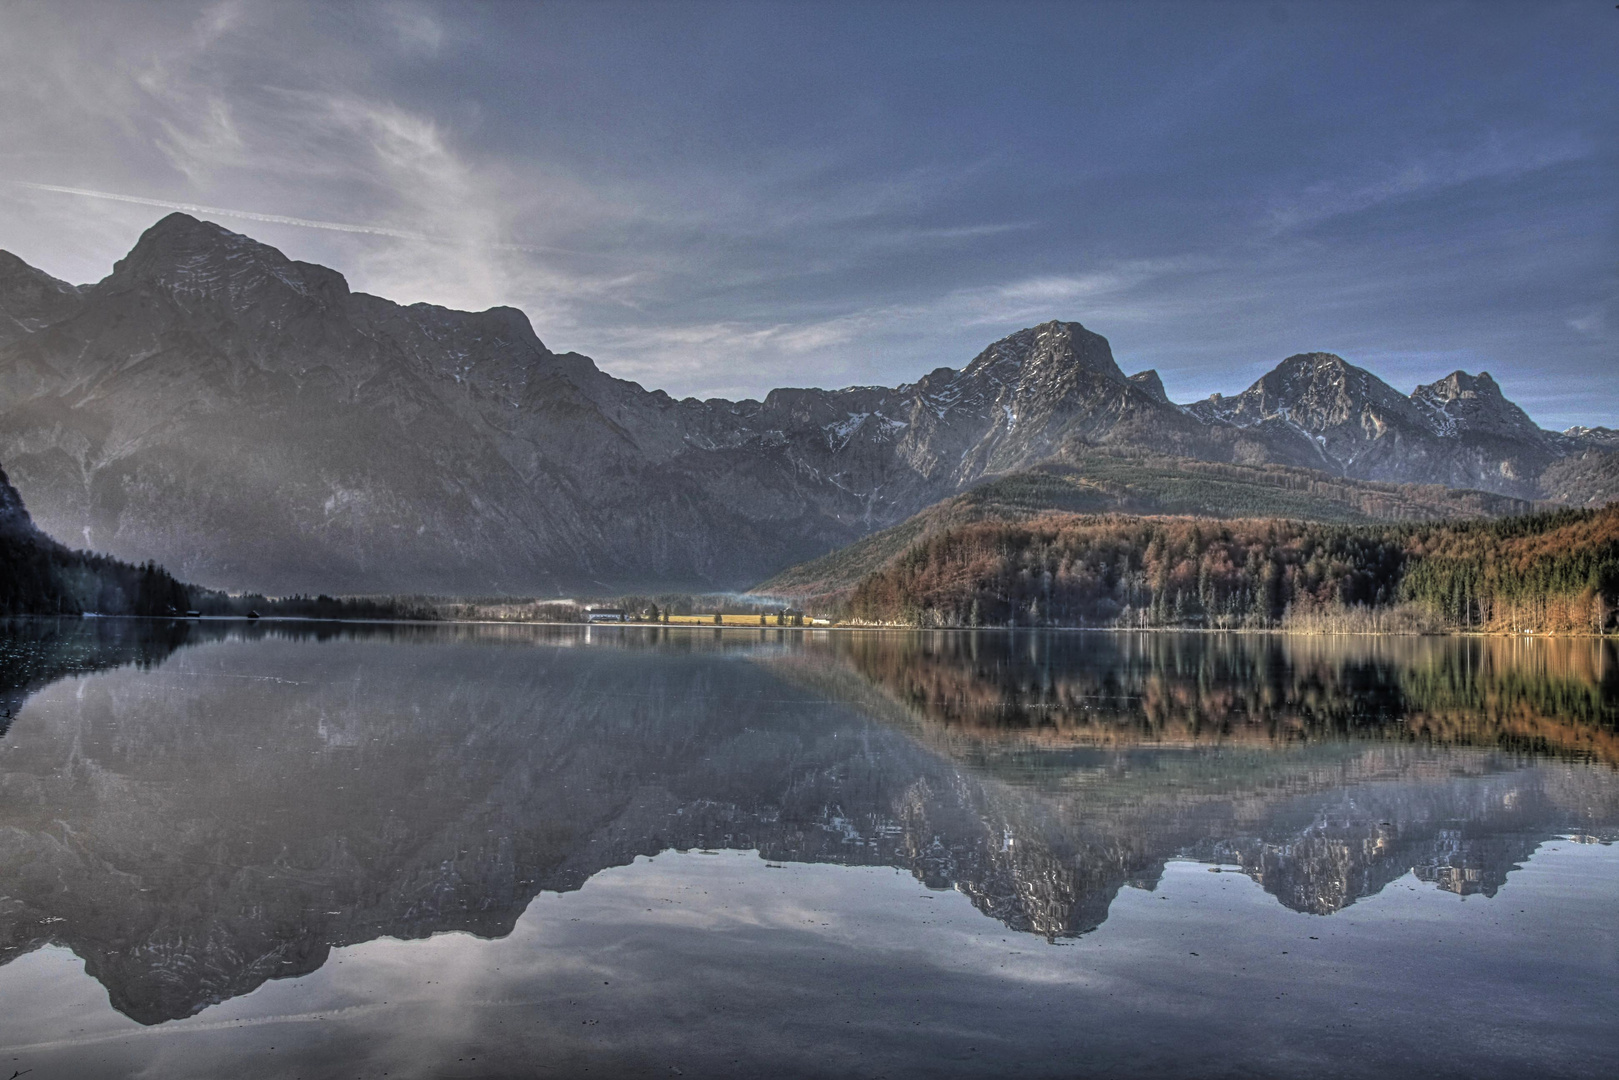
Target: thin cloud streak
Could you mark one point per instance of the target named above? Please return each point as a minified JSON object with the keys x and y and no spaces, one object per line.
{"x":271,"y":219}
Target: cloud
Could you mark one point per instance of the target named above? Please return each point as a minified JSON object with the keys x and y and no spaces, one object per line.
{"x":253,"y":113}
{"x":1122,"y":291}
{"x":217,"y":211}
{"x":1496,"y":157}
{"x":943,"y":331}
{"x":722,"y":200}
{"x":415,"y":29}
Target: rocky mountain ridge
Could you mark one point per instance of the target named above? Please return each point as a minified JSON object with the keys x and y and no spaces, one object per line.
{"x":252,"y":423}
{"x":1460,"y":431}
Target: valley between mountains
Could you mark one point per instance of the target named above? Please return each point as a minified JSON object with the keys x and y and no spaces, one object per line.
{"x":250,"y":423}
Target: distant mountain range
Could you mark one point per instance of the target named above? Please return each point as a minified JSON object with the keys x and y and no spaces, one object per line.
{"x":249,"y":422}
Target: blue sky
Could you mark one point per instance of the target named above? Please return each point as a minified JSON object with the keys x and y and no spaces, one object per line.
{"x":723,"y":198}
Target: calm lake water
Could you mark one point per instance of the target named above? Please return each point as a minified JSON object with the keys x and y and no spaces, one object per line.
{"x":301,"y":850}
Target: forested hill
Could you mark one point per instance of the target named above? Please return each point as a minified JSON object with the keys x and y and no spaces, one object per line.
{"x":1551,"y":572}
{"x":39,"y":576}
{"x":1118,"y":481}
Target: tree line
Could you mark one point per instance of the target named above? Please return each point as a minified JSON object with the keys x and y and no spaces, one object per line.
{"x":1547,"y":572}
{"x":41,"y":577}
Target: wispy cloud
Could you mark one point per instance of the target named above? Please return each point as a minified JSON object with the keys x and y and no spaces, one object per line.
{"x":943,"y":331}
{"x":244,"y":215}
{"x":723,"y":201}
{"x":258,"y":108}
{"x":1424,"y":174}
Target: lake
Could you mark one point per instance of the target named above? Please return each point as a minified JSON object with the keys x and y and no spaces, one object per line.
{"x":320,"y":850}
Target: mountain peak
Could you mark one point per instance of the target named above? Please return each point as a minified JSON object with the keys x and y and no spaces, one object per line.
{"x":1459,"y":384}
{"x":181,"y":254}
{"x":515,"y":322}
{"x":1315,"y":363}
{"x":180,"y":222}
{"x":1604,"y":437}
{"x":1323,"y":386}
{"x":1340,"y":408}
{"x":1462,"y":402}
{"x":1149,"y":382}
{"x":177,"y":235}
{"x":1050,"y":349}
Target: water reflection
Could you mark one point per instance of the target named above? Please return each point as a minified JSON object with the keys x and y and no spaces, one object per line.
{"x":1538,"y":695}
{"x":197,"y":810}
{"x":37,"y":652}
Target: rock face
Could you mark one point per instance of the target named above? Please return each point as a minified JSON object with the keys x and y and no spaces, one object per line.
{"x":249,"y":422}
{"x":14,"y":519}
{"x":1599,"y":438}
{"x":1588,"y":478}
{"x":1150,"y":382}
{"x":31,"y":299}
{"x":1460,"y":431}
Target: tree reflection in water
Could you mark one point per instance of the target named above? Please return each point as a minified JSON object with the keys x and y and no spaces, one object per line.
{"x":197,"y":810}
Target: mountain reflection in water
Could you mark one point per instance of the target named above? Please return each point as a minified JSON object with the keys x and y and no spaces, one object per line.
{"x":197,"y":809}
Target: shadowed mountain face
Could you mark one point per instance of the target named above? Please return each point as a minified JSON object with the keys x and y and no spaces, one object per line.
{"x":248,"y":422}
{"x":31,"y":299}
{"x":1589,"y":478}
{"x":194,"y":828}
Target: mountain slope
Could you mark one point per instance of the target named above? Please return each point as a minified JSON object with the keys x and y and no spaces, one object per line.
{"x":38,"y":576}
{"x":1460,"y":431}
{"x":249,"y":421}
{"x":31,"y":299}
{"x":1589,"y":478}
{"x":1133,"y":483}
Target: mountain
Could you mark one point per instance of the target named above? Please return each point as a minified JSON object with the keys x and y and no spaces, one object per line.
{"x":31,"y":299}
{"x":1135,"y":482}
{"x":1460,"y":431}
{"x":1588,"y":478}
{"x":15,"y":522}
{"x":1599,"y":438}
{"x":1150,"y":382}
{"x":252,"y":423}
{"x":39,"y":576}
{"x":255,"y":423}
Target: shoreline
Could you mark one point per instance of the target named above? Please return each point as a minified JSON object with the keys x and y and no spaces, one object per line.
{"x":843,"y":627}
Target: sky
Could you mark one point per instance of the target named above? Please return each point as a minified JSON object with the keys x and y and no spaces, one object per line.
{"x":717,"y":199}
